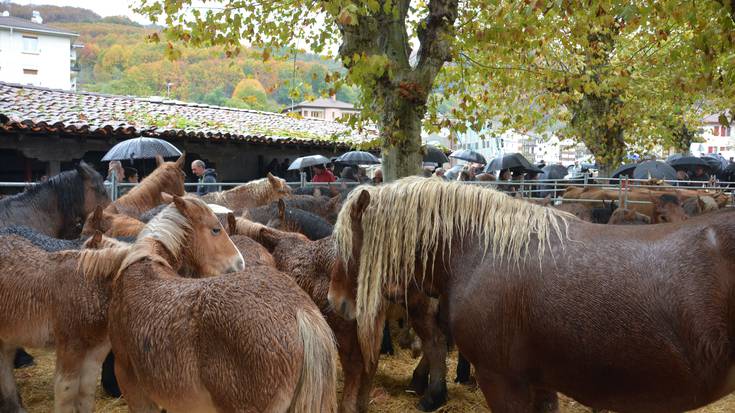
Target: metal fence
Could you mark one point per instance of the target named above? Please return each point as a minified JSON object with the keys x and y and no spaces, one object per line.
{"x":530,"y":189}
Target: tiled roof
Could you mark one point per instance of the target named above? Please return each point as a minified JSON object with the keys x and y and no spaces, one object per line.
{"x":18,"y":23}
{"x":36,"y":109}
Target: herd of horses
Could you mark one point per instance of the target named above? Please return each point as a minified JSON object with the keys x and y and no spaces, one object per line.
{"x":244,"y":300}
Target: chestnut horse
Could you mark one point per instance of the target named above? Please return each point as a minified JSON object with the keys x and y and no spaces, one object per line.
{"x":111,"y":224}
{"x":631,"y":319}
{"x":58,"y":206}
{"x":251,"y":341}
{"x":310,"y":263}
{"x":57,"y":300}
{"x":252,"y":194}
{"x":167,"y":177}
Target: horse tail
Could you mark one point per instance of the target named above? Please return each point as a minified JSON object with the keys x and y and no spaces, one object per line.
{"x":317,"y":387}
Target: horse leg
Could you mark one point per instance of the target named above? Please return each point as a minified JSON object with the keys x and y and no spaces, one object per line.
{"x":386,"y":346}
{"x":545,"y":401}
{"x":420,"y":377}
{"x":67,"y":379}
{"x":91,"y":366}
{"x":9,"y":397}
{"x":136,"y":399}
{"x":357,"y":379}
{"x":505,"y":395}
{"x":463,"y":370}
{"x":423,"y":313}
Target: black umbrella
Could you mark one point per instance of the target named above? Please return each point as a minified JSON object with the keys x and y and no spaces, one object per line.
{"x":689,"y":163}
{"x":553,"y":172}
{"x":141,"y":148}
{"x":673,"y":157}
{"x":514,"y":161}
{"x":626,"y":170}
{"x":715,"y":162}
{"x":434,"y":154}
{"x":307,"y":161}
{"x":358,"y":158}
{"x":469,"y":155}
{"x":654,"y":169}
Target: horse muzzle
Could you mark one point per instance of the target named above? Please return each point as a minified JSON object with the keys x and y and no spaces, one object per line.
{"x":342,"y":306}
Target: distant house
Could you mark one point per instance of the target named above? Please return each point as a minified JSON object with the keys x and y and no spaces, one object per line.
{"x":327,"y":109}
{"x":44,"y":131}
{"x":32,"y":53}
{"x":717,"y":138}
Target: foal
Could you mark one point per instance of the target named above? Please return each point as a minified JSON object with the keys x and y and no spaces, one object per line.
{"x":233,"y":343}
{"x":252,"y":194}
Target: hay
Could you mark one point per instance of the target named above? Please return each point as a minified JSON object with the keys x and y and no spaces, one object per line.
{"x":389,"y":393}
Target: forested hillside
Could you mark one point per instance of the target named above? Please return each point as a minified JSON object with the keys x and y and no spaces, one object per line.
{"x":117,"y":59}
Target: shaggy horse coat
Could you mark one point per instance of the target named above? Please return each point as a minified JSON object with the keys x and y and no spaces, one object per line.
{"x":252,"y":194}
{"x":630,"y":319}
{"x":196,"y":344}
{"x":310,"y":263}
{"x":168,"y":177}
{"x":297,"y":220}
{"x":327,"y":208}
{"x":56,"y":300}
{"x":58,"y":206}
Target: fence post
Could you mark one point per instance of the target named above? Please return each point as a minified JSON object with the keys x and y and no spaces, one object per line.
{"x":113,"y":192}
{"x":302,"y":178}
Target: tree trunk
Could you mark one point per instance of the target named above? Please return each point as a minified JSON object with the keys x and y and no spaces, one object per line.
{"x":400,"y":132}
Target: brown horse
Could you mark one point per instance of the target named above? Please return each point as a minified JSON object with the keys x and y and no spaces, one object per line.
{"x":56,"y":300}
{"x":167,"y":177}
{"x":310,"y":263}
{"x":631,"y":319}
{"x":252,"y":194}
{"x":111,"y":224}
{"x":58,"y":206}
{"x":625,"y":216}
{"x":244,"y":342}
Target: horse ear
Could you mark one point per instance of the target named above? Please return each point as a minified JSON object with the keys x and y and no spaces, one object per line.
{"x":167,"y":198}
{"x":81,"y":168}
{"x":180,"y":204}
{"x":281,"y":210}
{"x":363,"y":200}
{"x":159,"y":160}
{"x":334,"y":201}
{"x":97,"y":216}
{"x":273,"y":180}
{"x":231,"y":223}
{"x":180,"y":162}
{"x":702,"y":204}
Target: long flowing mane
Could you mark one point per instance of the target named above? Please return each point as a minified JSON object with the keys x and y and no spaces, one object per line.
{"x":147,"y":194}
{"x":260,"y":191}
{"x":102,"y":263}
{"x":169,"y":227}
{"x":421,"y":217}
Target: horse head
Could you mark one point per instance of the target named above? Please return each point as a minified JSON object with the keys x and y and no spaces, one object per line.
{"x":668,"y":209}
{"x":94,"y":188}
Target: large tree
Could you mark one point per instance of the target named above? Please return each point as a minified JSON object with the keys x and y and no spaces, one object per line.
{"x":375,"y":39}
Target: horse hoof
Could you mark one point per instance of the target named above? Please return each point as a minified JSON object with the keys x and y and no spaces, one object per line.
{"x":23,"y":359}
{"x":426,"y":404}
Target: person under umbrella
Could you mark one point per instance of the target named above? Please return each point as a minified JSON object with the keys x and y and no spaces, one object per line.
{"x":322,"y":174}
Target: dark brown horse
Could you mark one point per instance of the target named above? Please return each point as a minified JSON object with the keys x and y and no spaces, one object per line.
{"x":310,"y":263}
{"x":59,"y":206}
{"x":631,"y":319}
{"x":242,"y":342}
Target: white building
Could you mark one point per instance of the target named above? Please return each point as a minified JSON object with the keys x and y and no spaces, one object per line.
{"x":717,"y":138}
{"x":327,"y":109}
{"x":32,"y":53}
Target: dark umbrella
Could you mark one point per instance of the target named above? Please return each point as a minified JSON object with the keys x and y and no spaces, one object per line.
{"x":434,"y":154}
{"x":141,"y":148}
{"x":514,"y":161}
{"x":468,"y":155}
{"x":307,"y":161}
{"x":358,"y":158}
{"x":688,"y":163}
{"x":626,"y":170}
{"x":673,"y":157}
{"x":553,"y":172}
{"x":715,"y":162}
{"x":654,"y":169}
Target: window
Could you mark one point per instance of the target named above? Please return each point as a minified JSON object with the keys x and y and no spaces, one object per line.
{"x":316,"y":114}
{"x":30,"y":71}
{"x":721,"y":131}
{"x":30,"y":44}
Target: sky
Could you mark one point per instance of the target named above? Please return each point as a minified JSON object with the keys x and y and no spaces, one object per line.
{"x":102,"y":7}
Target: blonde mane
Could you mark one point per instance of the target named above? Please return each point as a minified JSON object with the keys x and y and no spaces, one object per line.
{"x":102,"y":263}
{"x":244,"y":226}
{"x":146,"y":195}
{"x":259,"y":191}
{"x":169,"y":227}
{"x":419,"y":217}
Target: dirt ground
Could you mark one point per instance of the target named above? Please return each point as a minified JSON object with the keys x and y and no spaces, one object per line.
{"x":389,"y":395}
